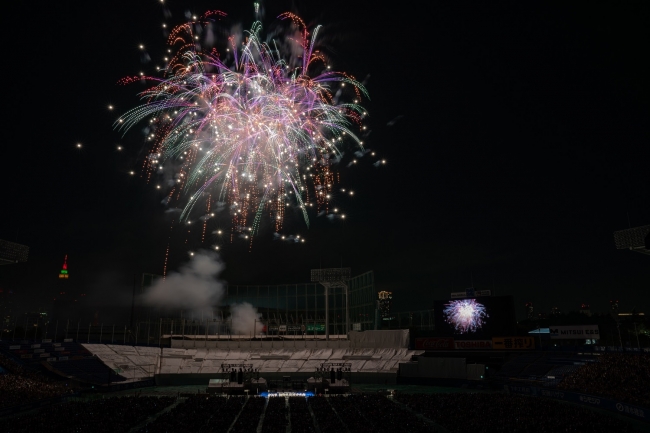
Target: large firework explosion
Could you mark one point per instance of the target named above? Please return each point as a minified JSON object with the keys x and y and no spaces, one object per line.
{"x":253,"y":129}
{"x":465,"y":315}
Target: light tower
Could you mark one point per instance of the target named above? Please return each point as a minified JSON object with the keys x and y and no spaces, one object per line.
{"x":11,"y":252}
{"x":63,"y":274}
{"x":635,"y":239}
{"x":333,"y":278}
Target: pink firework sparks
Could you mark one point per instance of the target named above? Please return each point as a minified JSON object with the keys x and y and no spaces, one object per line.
{"x":465,"y":315}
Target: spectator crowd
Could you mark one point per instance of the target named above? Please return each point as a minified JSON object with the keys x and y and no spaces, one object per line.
{"x":357,"y":413}
{"x":20,"y":385}
{"x":624,"y":377}
{"x":102,"y":415}
{"x":500,"y":412}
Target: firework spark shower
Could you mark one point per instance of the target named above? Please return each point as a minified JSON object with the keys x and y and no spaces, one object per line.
{"x":465,"y":315}
{"x":249,"y":125}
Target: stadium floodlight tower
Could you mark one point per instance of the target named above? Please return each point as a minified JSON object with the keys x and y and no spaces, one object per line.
{"x":11,"y":252}
{"x":635,"y":239}
{"x":331,"y":278}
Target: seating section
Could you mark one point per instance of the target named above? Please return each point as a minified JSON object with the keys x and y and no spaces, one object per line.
{"x":549,"y":369}
{"x":139,"y":362}
{"x":90,"y":370}
{"x":31,"y":354}
{"x":501,"y":412}
{"x":103,"y":415}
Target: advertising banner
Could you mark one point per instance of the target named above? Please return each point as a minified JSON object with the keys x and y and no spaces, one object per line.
{"x":472,"y":344}
{"x":574,"y":332}
{"x":292,"y":329}
{"x":513,"y":343}
{"x":434,"y":343}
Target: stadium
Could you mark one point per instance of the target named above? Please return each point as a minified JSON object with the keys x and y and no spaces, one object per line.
{"x":321,"y":356}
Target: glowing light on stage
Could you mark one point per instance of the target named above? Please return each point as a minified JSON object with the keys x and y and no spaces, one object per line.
{"x":287,"y":394}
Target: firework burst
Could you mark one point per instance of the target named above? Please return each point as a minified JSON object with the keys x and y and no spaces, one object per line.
{"x":465,"y":315}
{"x":254,"y":129}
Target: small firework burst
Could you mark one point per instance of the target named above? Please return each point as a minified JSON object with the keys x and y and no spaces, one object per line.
{"x":465,"y":315}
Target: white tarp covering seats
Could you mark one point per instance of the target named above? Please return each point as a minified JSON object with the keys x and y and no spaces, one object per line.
{"x":380,"y":339}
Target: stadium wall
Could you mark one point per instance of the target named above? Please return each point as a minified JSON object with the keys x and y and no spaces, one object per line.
{"x":204,"y":378}
{"x":390,"y":339}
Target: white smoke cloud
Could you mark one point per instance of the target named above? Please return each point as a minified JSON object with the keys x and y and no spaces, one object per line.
{"x":243,"y":318}
{"x":194,"y":288}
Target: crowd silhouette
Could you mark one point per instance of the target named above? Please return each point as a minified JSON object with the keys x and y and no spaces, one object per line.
{"x":20,"y":385}
{"x":621,"y":377}
{"x":624,"y":377}
{"x":357,"y":413}
{"x":500,"y":412}
{"x":101,"y":415}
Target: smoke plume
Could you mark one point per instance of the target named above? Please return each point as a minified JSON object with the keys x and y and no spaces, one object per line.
{"x":243,"y":318}
{"x":194,"y":288}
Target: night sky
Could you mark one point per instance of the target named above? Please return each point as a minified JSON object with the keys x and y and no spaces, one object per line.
{"x":516,"y":138}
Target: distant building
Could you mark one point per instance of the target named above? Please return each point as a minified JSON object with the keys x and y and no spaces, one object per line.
{"x":385,"y":299}
{"x":555,"y":311}
{"x":67,"y":298}
{"x":529,"y":310}
{"x":63,"y":273}
{"x":585,"y":309}
{"x":613,"y":307}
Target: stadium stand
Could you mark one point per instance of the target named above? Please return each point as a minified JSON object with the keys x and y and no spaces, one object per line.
{"x":326,"y":419}
{"x":275,"y":416}
{"x":109,"y":415}
{"x":196,"y":412}
{"x":144,"y":361}
{"x":87,"y":370}
{"x":624,"y":377}
{"x":474,"y":412}
{"x":249,"y":418}
{"x":300,"y":416}
{"x":375,"y":413}
{"x":20,"y":385}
